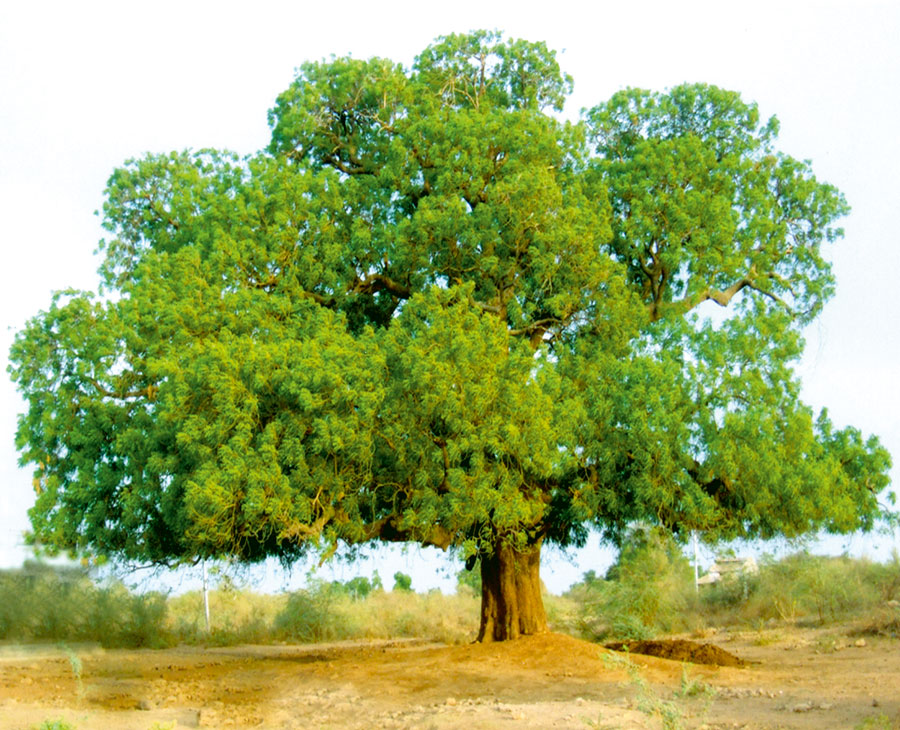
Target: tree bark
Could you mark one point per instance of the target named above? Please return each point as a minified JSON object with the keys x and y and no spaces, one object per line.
{"x":511,"y":603}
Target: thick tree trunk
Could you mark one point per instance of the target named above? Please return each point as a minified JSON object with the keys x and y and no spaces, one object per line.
{"x":511,"y":603}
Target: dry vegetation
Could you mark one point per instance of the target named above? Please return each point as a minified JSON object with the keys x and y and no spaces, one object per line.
{"x":648,"y":593}
{"x":820,"y":635}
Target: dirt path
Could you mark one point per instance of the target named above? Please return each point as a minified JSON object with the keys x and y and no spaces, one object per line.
{"x":795,"y":679}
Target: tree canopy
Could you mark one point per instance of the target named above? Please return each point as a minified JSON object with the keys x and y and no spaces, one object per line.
{"x":432,"y":311}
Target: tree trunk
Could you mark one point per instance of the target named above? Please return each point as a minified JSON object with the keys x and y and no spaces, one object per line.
{"x":511,"y":603}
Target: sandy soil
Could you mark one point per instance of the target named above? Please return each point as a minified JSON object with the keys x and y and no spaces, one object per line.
{"x":793,"y":679}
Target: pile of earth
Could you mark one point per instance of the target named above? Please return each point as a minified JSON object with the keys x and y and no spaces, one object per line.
{"x":680,"y":650}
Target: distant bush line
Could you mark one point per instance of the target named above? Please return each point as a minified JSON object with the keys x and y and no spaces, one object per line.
{"x":648,"y":592}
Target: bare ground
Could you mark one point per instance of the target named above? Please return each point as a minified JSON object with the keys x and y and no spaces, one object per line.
{"x":793,"y":679}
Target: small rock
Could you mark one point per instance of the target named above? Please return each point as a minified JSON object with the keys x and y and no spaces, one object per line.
{"x":802,"y":707}
{"x":860,"y":643}
{"x":145,"y":705}
{"x":875,"y":703}
{"x":451,"y":701}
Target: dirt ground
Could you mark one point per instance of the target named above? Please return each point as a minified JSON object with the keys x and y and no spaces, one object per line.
{"x":794,"y":678}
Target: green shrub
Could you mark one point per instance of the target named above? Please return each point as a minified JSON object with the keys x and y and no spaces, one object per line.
{"x":800,"y":588}
{"x":314,"y":614}
{"x":649,"y":590}
{"x":402,"y":582}
{"x":885,"y":578}
{"x":119,"y":618}
{"x":53,"y":725}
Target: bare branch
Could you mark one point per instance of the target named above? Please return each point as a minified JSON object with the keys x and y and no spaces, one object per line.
{"x":722,"y":297}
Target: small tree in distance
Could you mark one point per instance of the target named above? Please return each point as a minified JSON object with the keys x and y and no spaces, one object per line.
{"x":431,"y":312}
{"x":402,"y":582}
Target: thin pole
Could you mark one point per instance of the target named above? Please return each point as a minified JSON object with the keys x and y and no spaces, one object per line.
{"x":205,"y":596}
{"x":696,"y":567}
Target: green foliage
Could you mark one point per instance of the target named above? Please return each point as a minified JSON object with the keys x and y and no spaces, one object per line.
{"x":360,"y":587}
{"x":36,"y":606}
{"x":650,"y":591}
{"x":692,"y":687}
{"x":54,"y":725}
{"x":402,"y":582}
{"x":878,"y":722}
{"x":432,"y":312}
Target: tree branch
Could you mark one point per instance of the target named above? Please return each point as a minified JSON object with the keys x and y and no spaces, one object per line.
{"x":722,"y":297}
{"x":386,"y":529}
{"x":149,"y":392}
{"x":374,"y":283}
{"x":299,"y":531}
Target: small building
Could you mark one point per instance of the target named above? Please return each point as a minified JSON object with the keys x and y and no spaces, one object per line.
{"x":726,"y":569}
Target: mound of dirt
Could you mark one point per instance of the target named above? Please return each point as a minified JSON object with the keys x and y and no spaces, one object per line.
{"x":680,"y":650}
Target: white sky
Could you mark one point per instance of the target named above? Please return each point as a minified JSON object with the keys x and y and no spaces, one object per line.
{"x":84,"y":86}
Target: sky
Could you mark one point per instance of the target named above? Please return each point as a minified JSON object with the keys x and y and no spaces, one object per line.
{"x":85,"y":86}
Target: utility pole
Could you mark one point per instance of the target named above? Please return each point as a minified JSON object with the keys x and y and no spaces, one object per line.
{"x":205,"y":595}
{"x":696,"y":566}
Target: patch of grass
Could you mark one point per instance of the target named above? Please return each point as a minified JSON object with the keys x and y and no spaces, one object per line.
{"x":53,"y":725}
{"x":767,"y":638}
{"x":77,"y":667}
{"x":694,"y":688}
{"x":648,"y":701}
{"x":878,"y":722}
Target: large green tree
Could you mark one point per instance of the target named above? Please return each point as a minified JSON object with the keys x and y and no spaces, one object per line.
{"x":431,"y":311}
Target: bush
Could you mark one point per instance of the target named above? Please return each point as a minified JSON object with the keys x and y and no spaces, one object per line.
{"x":119,"y":618}
{"x":49,"y":603}
{"x":236,"y":616}
{"x":314,"y":614}
{"x":402,"y":582}
{"x":649,"y":590}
